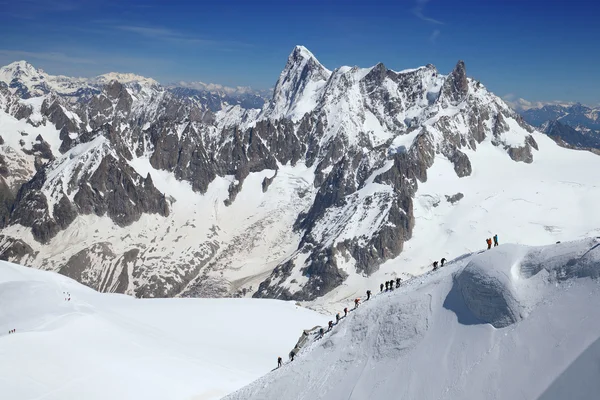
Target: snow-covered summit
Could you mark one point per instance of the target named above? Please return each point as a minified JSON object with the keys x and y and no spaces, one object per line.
{"x":299,"y":86}
{"x":17,"y":69}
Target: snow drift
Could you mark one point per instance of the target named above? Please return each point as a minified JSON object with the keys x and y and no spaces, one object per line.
{"x":513,"y":322}
{"x":74,"y":343}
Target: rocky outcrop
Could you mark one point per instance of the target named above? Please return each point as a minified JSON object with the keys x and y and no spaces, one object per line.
{"x":524,"y":153}
{"x":455,"y":198}
{"x":116,"y":190}
{"x":456,"y":87}
{"x":15,"y":250}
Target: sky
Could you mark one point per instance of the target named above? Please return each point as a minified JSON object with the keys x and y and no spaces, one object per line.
{"x":538,"y":50}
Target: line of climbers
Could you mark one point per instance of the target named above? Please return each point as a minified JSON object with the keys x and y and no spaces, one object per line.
{"x":389,"y":285}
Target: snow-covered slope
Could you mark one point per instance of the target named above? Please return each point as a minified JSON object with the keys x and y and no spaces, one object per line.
{"x":71,"y":342}
{"x":514,"y":322}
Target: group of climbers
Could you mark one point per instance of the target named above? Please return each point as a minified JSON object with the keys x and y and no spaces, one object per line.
{"x":489,"y":241}
{"x":441,"y":263}
{"x":338,"y":318}
{"x":12,"y":331}
{"x":389,"y":285}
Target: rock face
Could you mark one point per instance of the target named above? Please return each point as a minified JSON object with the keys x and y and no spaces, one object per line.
{"x":344,"y":151}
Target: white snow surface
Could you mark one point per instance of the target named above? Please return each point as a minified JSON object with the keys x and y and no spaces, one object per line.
{"x":514,"y":322}
{"x":101,"y":346}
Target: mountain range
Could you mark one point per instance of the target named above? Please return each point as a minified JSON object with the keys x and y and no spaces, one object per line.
{"x":573,"y":125}
{"x":131,"y":187}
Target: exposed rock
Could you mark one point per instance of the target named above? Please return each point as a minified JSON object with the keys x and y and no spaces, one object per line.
{"x":15,"y":250}
{"x":267,"y":182}
{"x":115,"y":189}
{"x":78,"y":265}
{"x":456,"y":86}
{"x":455,"y":198}
{"x":462,"y":164}
{"x":522,"y":154}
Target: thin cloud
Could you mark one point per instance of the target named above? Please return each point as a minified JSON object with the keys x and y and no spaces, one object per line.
{"x":175,"y":36}
{"x":434,"y":35}
{"x":46,"y":56}
{"x":418,"y":11}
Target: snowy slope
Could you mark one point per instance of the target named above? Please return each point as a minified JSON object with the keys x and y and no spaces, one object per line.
{"x":513,"y":322}
{"x":99,"y":346}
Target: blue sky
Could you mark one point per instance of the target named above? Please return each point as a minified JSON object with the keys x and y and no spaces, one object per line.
{"x":538,"y":50}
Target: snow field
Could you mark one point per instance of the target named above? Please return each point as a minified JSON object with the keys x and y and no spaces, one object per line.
{"x":99,"y":346}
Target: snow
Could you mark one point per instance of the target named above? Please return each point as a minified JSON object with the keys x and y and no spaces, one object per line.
{"x":124,"y":78}
{"x":82,"y":160}
{"x":425,"y":340}
{"x":99,"y":346}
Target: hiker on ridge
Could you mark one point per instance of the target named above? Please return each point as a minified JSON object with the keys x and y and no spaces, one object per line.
{"x":495,"y":240}
{"x":442,"y":261}
{"x":279,"y":362}
{"x":368,"y":294}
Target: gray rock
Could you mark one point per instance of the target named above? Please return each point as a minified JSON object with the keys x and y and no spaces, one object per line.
{"x":455,"y":198}
{"x":15,"y":250}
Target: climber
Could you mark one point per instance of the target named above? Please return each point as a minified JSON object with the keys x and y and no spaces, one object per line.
{"x":387,"y":285}
{"x":442,"y":261}
{"x":392,"y":284}
{"x":495,"y":240}
{"x":398,"y":280}
{"x":330,"y":324}
{"x":321,"y":332}
{"x":279,"y":362}
{"x":489,"y":243}
{"x":381,"y":287}
{"x":435,"y":265}
{"x":292,"y":354}
{"x":345,"y":311}
{"x":337,"y":318}
{"x":356,"y":302}
{"x":368,"y":294}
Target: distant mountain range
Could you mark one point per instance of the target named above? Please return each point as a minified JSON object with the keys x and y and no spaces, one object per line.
{"x":574,"y":125}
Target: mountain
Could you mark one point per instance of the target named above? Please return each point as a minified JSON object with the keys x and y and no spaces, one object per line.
{"x":584,"y":120}
{"x":573,"y":115}
{"x":512,"y":322}
{"x":140,"y":189}
{"x":570,"y":137}
{"x":113,"y":346}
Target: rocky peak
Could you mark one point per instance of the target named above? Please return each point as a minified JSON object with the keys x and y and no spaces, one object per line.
{"x":456,"y":86}
{"x":296,"y":90}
